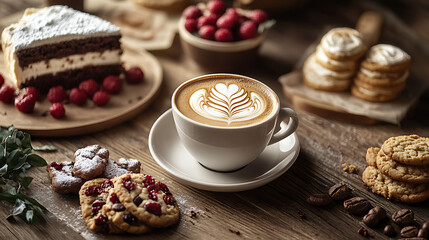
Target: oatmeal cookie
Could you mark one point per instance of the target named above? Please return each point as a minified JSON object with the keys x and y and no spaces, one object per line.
{"x":392,"y":189}
{"x":409,"y":150}
{"x":402,"y":172}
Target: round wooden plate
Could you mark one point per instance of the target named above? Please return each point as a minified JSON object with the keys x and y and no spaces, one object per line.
{"x":89,"y":117}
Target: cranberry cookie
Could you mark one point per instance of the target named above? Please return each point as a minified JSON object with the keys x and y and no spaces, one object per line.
{"x":90,"y":161}
{"x":62,"y":178}
{"x":121,"y":167}
{"x":147,"y":199}
{"x":121,"y":217}
{"x":93,"y":196}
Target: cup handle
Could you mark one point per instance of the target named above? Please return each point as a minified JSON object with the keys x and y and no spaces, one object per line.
{"x":291,"y":127}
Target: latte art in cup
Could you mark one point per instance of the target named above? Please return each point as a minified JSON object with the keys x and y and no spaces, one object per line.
{"x":229,"y":103}
{"x":226,"y":101}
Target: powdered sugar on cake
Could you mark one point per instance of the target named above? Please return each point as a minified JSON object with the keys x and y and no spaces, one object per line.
{"x":57,"y":23}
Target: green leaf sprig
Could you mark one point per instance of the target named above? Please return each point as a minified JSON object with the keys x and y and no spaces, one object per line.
{"x":16,"y":157}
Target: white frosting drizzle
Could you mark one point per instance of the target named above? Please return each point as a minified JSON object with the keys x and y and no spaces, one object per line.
{"x":228,"y":103}
{"x":372,"y":74}
{"x":56,"y":24}
{"x":373,"y":93}
{"x":385,"y":54}
{"x":342,"y":41}
{"x":321,"y":56}
{"x":322,"y":71}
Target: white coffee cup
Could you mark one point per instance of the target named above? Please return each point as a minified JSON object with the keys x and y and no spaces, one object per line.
{"x":236,"y":139}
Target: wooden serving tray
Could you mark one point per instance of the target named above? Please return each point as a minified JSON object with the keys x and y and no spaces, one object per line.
{"x":89,"y":117}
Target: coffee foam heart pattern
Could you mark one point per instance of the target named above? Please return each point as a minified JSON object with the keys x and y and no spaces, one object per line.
{"x":228,"y":103}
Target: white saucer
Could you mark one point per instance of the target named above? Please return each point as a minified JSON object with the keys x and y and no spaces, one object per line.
{"x":169,"y":153}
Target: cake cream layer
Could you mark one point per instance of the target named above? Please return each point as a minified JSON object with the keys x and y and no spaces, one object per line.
{"x":72,"y":62}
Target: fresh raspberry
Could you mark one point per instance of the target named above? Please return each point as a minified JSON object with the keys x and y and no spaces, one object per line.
{"x":57,"y":94}
{"x":153,"y":207}
{"x":7,"y":93}
{"x":258,"y":16}
{"x":112,"y":84}
{"x":248,"y":30}
{"x":101,"y":98}
{"x":25,"y":103}
{"x":34,"y":91}
{"x":57,"y":110}
{"x":134,"y":75}
{"x":232,"y":12}
{"x":223,"y":35}
{"x":226,"y":21}
{"x":78,"y":96}
{"x":207,"y":32}
{"x":1,"y":80}
{"x":90,"y":86}
{"x":206,"y":20}
{"x":192,"y":12}
{"x":191,"y":25}
{"x":216,"y":6}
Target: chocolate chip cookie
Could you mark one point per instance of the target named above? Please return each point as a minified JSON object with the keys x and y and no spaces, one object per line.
{"x":93,"y":196}
{"x":147,"y":199}
{"x":402,"y":172}
{"x":121,"y":217}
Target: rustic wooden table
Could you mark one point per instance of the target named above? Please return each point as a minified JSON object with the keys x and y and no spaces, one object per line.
{"x":277,"y":210}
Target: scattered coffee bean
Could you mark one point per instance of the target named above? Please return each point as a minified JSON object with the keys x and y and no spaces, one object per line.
{"x":389,"y":231}
{"x":362,"y":231}
{"x":423,"y":233}
{"x":425,"y":225}
{"x":374,"y":216}
{"x":357,"y":205}
{"x":319,"y":199}
{"x":409,"y":231}
{"x":403,"y":217}
{"x":340,"y":192}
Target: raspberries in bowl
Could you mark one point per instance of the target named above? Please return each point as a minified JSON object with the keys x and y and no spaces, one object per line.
{"x":222,"y":38}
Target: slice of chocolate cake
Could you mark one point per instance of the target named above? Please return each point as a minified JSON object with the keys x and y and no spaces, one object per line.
{"x":60,"y":46}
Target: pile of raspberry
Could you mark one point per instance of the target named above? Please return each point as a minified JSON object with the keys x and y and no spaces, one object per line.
{"x":214,"y":22}
{"x":57,"y":95}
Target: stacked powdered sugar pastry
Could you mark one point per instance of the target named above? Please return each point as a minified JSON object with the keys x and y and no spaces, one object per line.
{"x":382,"y":74}
{"x":333,"y":65}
